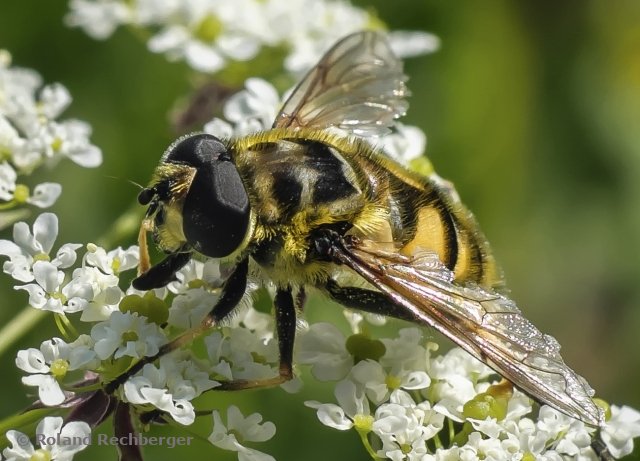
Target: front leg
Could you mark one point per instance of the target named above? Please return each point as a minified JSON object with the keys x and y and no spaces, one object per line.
{"x":162,"y":273}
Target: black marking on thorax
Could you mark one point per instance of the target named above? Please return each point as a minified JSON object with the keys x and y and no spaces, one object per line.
{"x":332,"y":183}
{"x":287,"y":191}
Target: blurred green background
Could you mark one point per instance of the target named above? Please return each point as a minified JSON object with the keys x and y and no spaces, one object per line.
{"x":530,"y":108}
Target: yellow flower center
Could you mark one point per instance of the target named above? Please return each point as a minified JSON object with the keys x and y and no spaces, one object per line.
{"x":363,"y":423}
{"x":392,"y":382}
{"x":115,"y":265}
{"x":59,"y":296}
{"x":21,"y":194}
{"x":129,"y":336}
{"x":41,"y":455}
{"x":56,"y":144}
{"x":208,"y":29}
{"x":59,"y":368}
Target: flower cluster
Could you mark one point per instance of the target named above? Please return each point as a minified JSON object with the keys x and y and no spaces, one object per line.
{"x":126,"y":325}
{"x":413,"y":405}
{"x":209,"y":34}
{"x":31,"y":135}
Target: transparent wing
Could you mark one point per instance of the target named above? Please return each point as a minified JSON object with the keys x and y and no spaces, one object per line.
{"x":358,"y":86}
{"x":486,"y":324}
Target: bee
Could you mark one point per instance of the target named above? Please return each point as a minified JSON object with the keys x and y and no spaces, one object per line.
{"x":310,"y":205}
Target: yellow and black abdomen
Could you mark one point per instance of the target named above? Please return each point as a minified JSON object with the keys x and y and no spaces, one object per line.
{"x":443,"y":225}
{"x":425,"y":214}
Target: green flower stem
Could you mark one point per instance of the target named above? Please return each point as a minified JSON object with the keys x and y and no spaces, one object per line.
{"x":11,"y":216}
{"x":8,"y":205}
{"x":25,"y":422}
{"x":123,"y":227}
{"x":367,"y":445}
{"x":437,"y":442}
{"x":66,"y":327}
{"x":452,"y":430}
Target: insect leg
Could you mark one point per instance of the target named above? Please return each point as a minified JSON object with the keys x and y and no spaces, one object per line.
{"x":602,"y":452}
{"x":162,"y":273}
{"x":366,"y":300}
{"x":286,"y":330}
{"x":232,"y":293}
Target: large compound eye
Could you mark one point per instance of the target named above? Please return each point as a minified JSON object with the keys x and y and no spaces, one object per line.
{"x":215,"y":214}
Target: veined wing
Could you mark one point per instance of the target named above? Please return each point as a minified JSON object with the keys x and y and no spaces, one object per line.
{"x":358,"y":86}
{"x":487,"y":325}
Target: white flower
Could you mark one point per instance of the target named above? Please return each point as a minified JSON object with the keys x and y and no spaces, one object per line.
{"x":57,"y":441}
{"x":404,"y":427}
{"x":323,"y":347}
{"x":127,"y":334}
{"x":45,"y":194}
{"x":30,"y":133}
{"x":406,"y":351}
{"x":28,"y":248}
{"x":90,"y":291}
{"x":98,"y":18}
{"x":406,"y":44}
{"x":379,"y":384}
{"x":258,"y":102}
{"x":619,"y":432}
{"x":177,"y":42}
{"x":94,"y":293}
{"x":576,"y":441}
{"x":239,"y":430}
{"x":239,"y":354}
{"x":8,"y":178}
{"x":404,"y":143}
{"x":206,"y":33}
{"x":170,"y":386}
{"x":15,"y":80}
{"x":552,"y":421}
{"x":196,"y":274}
{"x":352,"y":409}
{"x":54,"y":99}
{"x":252,"y":109}
{"x":10,"y":139}
{"x":401,"y":431}
{"x":113,"y":262}
{"x":454,"y":378}
{"x":69,"y":138}
{"x":188,"y":309}
{"x":480,"y":448}
{"x":317,"y":26}
{"x":50,"y":364}
{"x":46,"y":293}
{"x":356,"y":319}
{"x":31,"y":111}
{"x":219,"y":128}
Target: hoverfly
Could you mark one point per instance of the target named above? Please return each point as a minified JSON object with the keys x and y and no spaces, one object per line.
{"x":303,"y":205}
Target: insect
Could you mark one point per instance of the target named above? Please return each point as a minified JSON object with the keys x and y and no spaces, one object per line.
{"x":306,"y":206}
